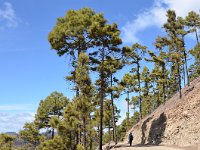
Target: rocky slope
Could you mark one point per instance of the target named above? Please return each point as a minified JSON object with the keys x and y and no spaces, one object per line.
{"x":175,"y":123}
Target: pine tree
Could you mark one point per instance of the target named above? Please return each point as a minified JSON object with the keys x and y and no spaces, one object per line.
{"x":52,"y":144}
{"x":112,"y":65}
{"x":30,"y":134}
{"x":53,"y":105}
{"x":156,"y":85}
{"x":70,"y":36}
{"x":145,"y":77}
{"x":134,"y":102}
{"x":195,"y":68}
{"x":106,"y":40}
{"x":67,"y":129}
{"x":107,"y":120}
{"x":193,"y":21}
{"x":6,"y":141}
{"x":83,"y":101}
{"x":175,"y":45}
{"x":134,"y":57}
{"x":159,"y":60}
{"x":183,"y":33}
{"x":128,"y":84}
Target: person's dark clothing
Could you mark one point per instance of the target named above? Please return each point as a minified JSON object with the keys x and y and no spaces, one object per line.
{"x":130,"y":138}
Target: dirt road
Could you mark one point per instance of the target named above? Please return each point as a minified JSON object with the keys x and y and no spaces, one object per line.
{"x":123,"y":146}
{"x":147,"y":148}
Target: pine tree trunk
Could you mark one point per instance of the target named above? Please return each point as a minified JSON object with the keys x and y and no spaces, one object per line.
{"x":101,"y":100}
{"x":196,"y":35}
{"x":84,"y":132}
{"x":186,"y":69}
{"x":98,"y":130}
{"x":164,"y":93}
{"x":74,"y":146}
{"x":179,"y":80}
{"x":77,"y":136}
{"x":153,"y":105}
{"x":113,"y":113}
{"x":127,"y":110}
{"x":52,"y":135}
{"x":109,"y":126}
{"x":90,"y":134}
{"x":164,"y":82}
{"x":167,"y":88}
{"x":184,"y":75}
{"x":158,"y":99}
{"x":80,"y":135}
{"x":140,"y":100}
{"x":70,"y":140}
{"x":90,"y":142}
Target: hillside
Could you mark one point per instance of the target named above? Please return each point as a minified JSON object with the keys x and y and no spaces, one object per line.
{"x":175,"y":123}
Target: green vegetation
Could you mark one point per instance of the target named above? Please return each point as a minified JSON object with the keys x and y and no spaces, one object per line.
{"x":6,"y":141}
{"x":94,"y":46}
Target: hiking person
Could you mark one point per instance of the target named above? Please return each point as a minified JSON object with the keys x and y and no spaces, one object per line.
{"x":130,"y":138}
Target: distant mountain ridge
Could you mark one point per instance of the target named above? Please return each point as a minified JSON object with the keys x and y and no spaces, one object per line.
{"x":12,"y":133}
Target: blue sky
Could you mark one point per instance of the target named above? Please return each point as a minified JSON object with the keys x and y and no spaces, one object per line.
{"x":30,"y":70}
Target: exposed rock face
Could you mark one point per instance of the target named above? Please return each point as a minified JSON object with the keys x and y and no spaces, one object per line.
{"x":175,"y":123}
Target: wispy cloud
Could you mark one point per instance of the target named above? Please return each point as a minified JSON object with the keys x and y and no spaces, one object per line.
{"x":14,"y":122}
{"x":156,"y":16}
{"x":16,"y":107}
{"x":8,"y":17}
{"x":13,"y":117}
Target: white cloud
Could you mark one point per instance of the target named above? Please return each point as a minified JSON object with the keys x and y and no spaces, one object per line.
{"x":13,"y":117}
{"x":182,"y":7}
{"x":8,"y":17}
{"x":14,"y":122}
{"x":156,"y":16}
{"x":23,"y":107}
